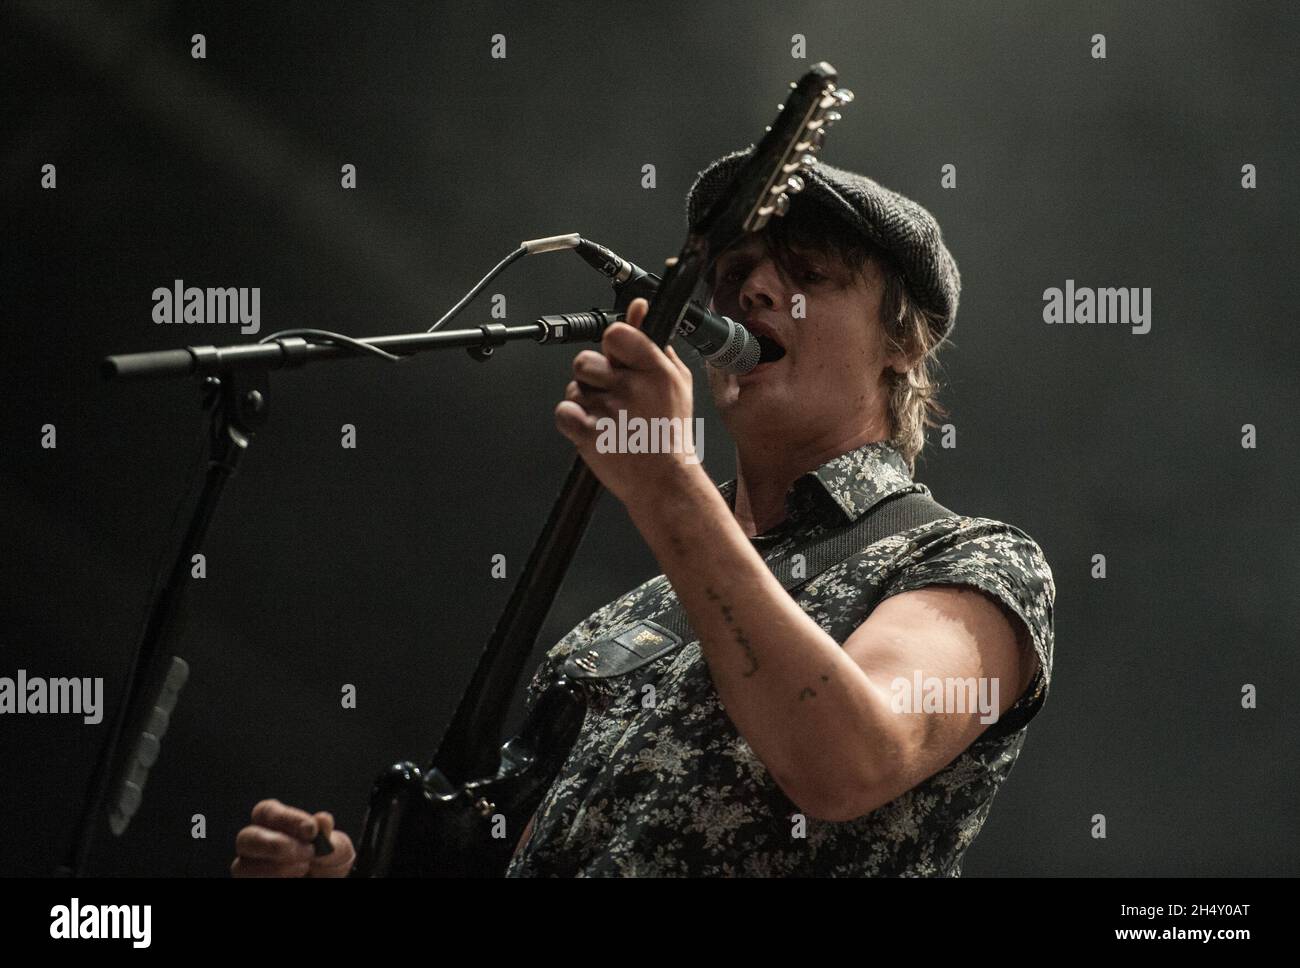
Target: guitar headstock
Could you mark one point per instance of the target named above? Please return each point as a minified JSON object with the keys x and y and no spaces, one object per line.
{"x":762,"y":187}
{"x":759,"y":190}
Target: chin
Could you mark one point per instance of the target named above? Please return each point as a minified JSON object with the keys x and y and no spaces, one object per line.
{"x":757,"y":405}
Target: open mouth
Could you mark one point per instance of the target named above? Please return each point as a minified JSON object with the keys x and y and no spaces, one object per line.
{"x":769,"y":349}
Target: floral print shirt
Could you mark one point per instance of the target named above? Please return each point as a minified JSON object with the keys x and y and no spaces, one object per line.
{"x":675,"y":790}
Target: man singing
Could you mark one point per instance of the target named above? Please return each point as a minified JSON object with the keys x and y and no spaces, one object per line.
{"x":812,"y":733}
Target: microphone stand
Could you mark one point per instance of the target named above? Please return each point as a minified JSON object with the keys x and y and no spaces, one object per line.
{"x":236,"y":395}
{"x":292,"y":351}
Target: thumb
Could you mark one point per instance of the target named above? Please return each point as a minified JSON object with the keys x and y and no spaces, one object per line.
{"x":324,"y":826}
{"x":324,"y":822}
{"x":636,"y":312}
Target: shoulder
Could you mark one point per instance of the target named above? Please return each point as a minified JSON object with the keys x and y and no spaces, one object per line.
{"x":961,"y":543}
{"x":997,"y":558}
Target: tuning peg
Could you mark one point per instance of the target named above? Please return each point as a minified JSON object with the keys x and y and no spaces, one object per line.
{"x":795,"y":184}
{"x":833,"y":116}
{"x":780,"y":107}
{"x":782,"y":204}
{"x":800,"y":163}
{"x":818,"y":138}
{"x":843,"y":95}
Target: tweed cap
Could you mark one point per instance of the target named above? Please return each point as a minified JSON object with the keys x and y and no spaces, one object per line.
{"x":889,"y":220}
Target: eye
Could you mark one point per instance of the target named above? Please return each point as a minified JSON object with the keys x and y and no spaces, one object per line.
{"x":808,"y":270}
{"x":733,"y":274}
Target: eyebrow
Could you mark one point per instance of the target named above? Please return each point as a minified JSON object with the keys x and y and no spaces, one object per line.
{"x":750,"y":246}
{"x":818,"y":259}
{"x":747,"y":246}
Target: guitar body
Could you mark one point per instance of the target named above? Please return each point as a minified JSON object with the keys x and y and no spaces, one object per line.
{"x":420,"y":824}
{"x":441,"y":821}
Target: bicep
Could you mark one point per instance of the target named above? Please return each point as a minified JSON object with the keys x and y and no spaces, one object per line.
{"x":950,"y":646}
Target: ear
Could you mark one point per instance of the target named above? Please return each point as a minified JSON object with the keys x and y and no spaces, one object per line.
{"x":894,"y":358}
{"x":898,"y":362}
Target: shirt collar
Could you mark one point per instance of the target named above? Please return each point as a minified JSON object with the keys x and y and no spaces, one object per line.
{"x":855,"y":481}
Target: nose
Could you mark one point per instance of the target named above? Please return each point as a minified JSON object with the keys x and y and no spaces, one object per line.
{"x":762,"y":286}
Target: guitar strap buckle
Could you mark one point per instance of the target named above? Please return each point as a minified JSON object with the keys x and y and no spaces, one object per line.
{"x":625,"y":651}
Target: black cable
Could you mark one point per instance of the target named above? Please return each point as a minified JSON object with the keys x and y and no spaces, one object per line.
{"x":326,"y":336}
{"x":323,"y":335}
{"x":519,"y":253}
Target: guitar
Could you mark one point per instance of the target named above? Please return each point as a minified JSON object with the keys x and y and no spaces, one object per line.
{"x":450,"y":819}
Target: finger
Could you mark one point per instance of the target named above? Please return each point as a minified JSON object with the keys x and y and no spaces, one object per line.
{"x":636,"y":312}
{"x":262,"y":843}
{"x":251,"y":867}
{"x":574,"y":422}
{"x":594,"y":370}
{"x":624,"y":347}
{"x":677,"y":361}
{"x":628,"y":348}
{"x":595,"y":403}
{"x":575,"y":393}
{"x":321,"y":844}
{"x":289,"y":820}
{"x":324,"y":822}
{"x":341,"y":859}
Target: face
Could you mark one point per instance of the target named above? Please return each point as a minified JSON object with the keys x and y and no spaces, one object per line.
{"x":831,"y":382}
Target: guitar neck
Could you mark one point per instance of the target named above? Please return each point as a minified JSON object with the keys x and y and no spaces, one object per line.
{"x":470,"y":748}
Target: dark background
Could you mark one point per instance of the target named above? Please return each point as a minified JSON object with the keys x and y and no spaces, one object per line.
{"x":371,"y":566}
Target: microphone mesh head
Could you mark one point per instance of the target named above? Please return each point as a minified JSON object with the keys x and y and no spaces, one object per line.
{"x":739,"y":355}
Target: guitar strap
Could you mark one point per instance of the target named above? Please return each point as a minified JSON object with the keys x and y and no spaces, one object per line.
{"x":645,"y":640}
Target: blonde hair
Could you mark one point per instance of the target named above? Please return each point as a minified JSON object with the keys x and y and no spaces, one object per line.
{"x":912,"y":331}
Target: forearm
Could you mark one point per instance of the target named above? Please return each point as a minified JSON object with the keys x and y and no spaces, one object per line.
{"x":806,"y":709}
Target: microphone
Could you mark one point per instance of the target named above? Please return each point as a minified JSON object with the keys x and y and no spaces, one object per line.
{"x":723,"y":342}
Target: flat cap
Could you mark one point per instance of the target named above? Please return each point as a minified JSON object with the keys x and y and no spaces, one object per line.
{"x":891,"y":221}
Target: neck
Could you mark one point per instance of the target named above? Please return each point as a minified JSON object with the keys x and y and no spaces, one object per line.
{"x":767,"y":469}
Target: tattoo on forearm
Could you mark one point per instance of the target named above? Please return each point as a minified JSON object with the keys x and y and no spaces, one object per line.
{"x":810,"y":691}
{"x":736,"y":632}
{"x":679,"y":546}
